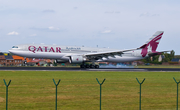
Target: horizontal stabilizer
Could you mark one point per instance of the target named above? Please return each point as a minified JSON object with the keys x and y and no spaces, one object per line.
{"x":156,"y":53}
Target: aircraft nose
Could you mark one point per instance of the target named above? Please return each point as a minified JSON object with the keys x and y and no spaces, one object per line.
{"x":11,"y":51}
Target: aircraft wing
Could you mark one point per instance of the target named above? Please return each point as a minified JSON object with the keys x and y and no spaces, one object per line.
{"x":100,"y":55}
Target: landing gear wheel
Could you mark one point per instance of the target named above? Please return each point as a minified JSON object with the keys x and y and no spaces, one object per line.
{"x":92,"y":66}
{"x":25,"y":63}
{"x":96,"y":66}
{"x":87,"y":65}
{"x":82,"y":66}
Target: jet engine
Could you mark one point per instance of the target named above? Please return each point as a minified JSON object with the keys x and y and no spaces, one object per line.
{"x":76,"y":59}
{"x":60,"y":61}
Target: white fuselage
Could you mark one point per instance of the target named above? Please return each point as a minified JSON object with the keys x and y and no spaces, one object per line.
{"x":62,"y":52}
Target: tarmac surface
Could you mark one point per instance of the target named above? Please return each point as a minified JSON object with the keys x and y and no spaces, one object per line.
{"x":80,"y":69}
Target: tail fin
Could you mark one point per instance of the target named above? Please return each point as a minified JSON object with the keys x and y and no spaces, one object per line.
{"x":151,"y":45}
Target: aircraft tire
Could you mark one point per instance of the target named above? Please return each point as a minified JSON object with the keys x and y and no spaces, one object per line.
{"x":82,"y":66}
{"x":87,"y":66}
{"x":97,"y":66}
{"x":92,"y":66}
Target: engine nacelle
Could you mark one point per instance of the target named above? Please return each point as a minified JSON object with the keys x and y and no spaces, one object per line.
{"x":76,"y":59}
{"x":60,"y":61}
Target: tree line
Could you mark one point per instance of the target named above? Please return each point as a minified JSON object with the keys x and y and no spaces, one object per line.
{"x":166,"y":57}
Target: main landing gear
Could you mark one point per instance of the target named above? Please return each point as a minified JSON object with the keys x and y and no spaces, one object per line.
{"x":25,"y":62}
{"x":89,"y":66}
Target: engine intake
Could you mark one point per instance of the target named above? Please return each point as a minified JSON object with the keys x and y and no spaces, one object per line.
{"x":76,"y":59}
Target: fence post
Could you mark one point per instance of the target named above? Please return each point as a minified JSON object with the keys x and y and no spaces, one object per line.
{"x":7,"y":92}
{"x":56,"y":92}
{"x":100,"y":90}
{"x":177,"y":90}
{"x":140,"y":92}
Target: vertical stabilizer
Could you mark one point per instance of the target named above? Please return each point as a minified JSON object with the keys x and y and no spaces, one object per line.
{"x":151,"y":45}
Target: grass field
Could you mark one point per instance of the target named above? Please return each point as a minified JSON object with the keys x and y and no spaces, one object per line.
{"x":35,"y":90}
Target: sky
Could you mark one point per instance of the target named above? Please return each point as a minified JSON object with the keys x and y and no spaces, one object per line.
{"x":116,"y":24}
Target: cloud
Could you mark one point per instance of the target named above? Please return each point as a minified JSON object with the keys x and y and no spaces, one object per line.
{"x":13,"y":33}
{"x":117,"y":12}
{"x":32,"y":35}
{"x":147,"y":14}
{"x":111,"y":12}
{"x":106,"y":31}
{"x":75,"y":8}
{"x":155,"y":15}
{"x":48,"y":29}
{"x":53,"y":28}
{"x":48,"y":11}
{"x":144,"y":14}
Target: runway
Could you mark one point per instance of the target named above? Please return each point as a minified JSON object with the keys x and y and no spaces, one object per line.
{"x":80,"y":69}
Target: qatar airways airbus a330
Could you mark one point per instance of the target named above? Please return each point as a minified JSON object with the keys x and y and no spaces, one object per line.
{"x":80,"y":55}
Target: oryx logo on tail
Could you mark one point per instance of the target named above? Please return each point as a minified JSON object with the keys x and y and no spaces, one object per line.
{"x":152,"y":44}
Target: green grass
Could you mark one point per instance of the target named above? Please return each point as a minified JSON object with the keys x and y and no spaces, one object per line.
{"x":35,"y":90}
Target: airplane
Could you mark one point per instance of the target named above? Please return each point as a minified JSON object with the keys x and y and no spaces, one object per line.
{"x":80,"y":55}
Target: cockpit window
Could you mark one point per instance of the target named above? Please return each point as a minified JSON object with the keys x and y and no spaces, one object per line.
{"x":15,"y":47}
